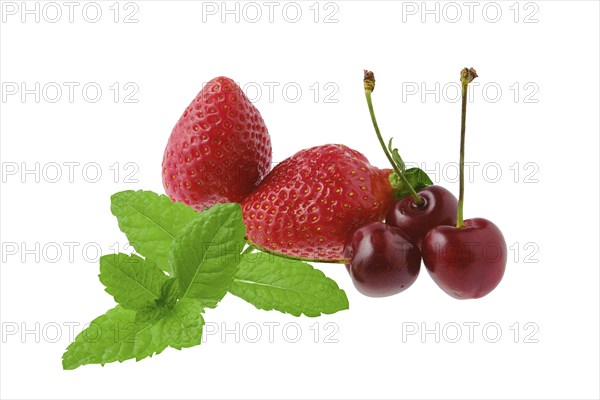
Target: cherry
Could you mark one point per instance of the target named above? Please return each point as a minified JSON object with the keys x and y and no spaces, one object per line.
{"x":467,"y":261}
{"x":438,"y":207}
{"x":382,"y":260}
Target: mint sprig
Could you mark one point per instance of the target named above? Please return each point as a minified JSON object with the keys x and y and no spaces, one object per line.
{"x":188,"y":262}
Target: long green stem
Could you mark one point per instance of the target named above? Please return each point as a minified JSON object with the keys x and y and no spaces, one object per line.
{"x":466,"y":76}
{"x":369,"y":86}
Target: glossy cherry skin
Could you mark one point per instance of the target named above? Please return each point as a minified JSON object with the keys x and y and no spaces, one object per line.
{"x":467,"y":262}
{"x":439,"y":208}
{"x":383,"y":260}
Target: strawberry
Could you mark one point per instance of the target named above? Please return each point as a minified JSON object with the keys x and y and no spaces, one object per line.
{"x":219,"y":150}
{"x":310,"y":204}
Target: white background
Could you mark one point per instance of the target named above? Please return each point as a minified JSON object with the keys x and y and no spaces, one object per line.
{"x":546,"y":205}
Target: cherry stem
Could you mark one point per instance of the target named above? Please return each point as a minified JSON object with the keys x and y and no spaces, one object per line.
{"x":369,"y":82}
{"x":466,"y":76}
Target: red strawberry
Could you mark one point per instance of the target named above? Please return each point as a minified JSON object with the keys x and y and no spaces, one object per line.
{"x":219,"y":150}
{"x":310,"y":203}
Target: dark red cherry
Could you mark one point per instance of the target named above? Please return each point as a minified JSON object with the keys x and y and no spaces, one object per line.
{"x":466,"y":262}
{"x":382,"y":260}
{"x":438,"y":208}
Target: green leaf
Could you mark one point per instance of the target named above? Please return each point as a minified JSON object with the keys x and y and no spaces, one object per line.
{"x":416,"y":177}
{"x":151,"y":313}
{"x":295,"y":287}
{"x":150,"y":222}
{"x":206,"y":253}
{"x":115,"y":336}
{"x":131,"y":280}
{"x":396,"y":156}
{"x":169,"y":294}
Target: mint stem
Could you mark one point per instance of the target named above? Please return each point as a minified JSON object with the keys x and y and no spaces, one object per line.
{"x":296,"y":258}
{"x":369,"y":83}
{"x":466,"y":77}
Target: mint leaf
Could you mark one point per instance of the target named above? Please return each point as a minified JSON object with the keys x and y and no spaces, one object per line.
{"x":169,"y":294}
{"x":416,"y":177}
{"x":150,"y":222}
{"x":295,"y":287}
{"x":115,"y":336}
{"x":150,"y":314}
{"x":205,"y":254}
{"x":131,"y":280}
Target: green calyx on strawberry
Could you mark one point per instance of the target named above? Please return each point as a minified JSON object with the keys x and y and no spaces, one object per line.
{"x":219,"y":150}
{"x":308,"y":204}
